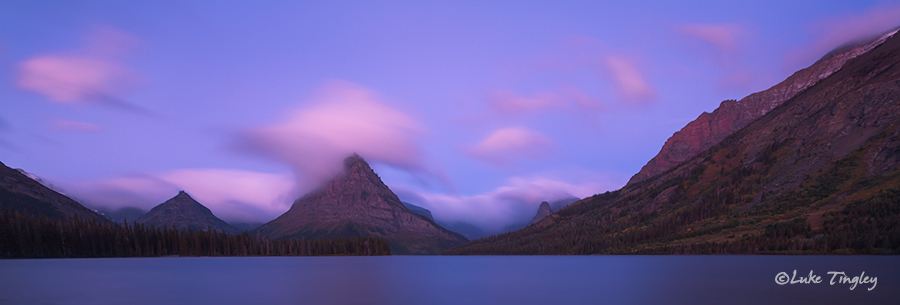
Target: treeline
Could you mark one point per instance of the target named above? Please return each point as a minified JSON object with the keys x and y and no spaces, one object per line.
{"x":24,"y":236}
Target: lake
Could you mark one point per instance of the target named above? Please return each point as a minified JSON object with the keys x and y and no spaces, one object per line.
{"x":448,"y":280}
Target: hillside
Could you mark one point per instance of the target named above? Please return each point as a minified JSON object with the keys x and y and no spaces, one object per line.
{"x":22,"y":193}
{"x":711,"y":128}
{"x":819,"y":173}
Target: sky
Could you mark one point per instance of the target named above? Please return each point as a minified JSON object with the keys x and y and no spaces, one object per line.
{"x":475,"y":110}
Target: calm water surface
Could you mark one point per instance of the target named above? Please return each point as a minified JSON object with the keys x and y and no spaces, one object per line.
{"x":446,"y":280}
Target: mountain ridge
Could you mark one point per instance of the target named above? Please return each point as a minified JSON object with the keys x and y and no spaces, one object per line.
{"x":709,"y":129}
{"x":20,"y":192}
{"x":819,"y":173}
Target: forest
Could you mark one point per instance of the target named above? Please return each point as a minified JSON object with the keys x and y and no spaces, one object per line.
{"x":26,"y":236}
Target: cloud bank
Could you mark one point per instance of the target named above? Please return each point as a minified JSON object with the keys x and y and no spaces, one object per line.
{"x":510,"y":204}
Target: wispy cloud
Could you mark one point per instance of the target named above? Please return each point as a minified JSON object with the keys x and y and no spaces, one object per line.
{"x":833,"y":32}
{"x":583,"y":76}
{"x":506,"y":101}
{"x":628,"y":79}
{"x":507,"y":145}
{"x":93,"y":74}
{"x":724,"y":45}
{"x":75,"y":126}
{"x":723,"y":36}
{"x":564,"y":98}
{"x":341,"y":119}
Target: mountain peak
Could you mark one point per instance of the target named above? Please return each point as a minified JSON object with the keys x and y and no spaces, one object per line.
{"x":357,"y":203}
{"x":543,"y":211}
{"x":355,"y":163}
{"x":183,"y":212}
{"x":184,"y":199}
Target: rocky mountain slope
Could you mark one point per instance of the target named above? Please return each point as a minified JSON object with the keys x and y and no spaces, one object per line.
{"x":22,"y":193}
{"x":543,"y":211}
{"x":419,"y":210}
{"x":552,"y":207}
{"x":711,"y":128}
{"x":357,"y":203}
{"x":819,"y":173}
{"x":183,"y":212}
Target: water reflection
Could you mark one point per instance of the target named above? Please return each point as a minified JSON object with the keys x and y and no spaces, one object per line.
{"x":443,"y":280}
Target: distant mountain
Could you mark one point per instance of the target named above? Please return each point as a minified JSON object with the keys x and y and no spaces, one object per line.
{"x":559,"y":204}
{"x":711,"y":128}
{"x":551,"y":207}
{"x":468,"y":230}
{"x":357,"y":203}
{"x":543,"y":211}
{"x":183,"y":212}
{"x":819,"y":173}
{"x":418,"y":210}
{"x":22,"y":193}
{"x":122,"y":214}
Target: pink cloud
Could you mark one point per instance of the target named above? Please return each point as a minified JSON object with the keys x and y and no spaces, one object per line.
{"x":848,"y":28}
{"x":723,"y":36}
{"x":75,"y":126}
{"x":94,"y":74}
{"x":342,"y":119}
{"x":506,"y":145}
{"x":628,"y":79}
{"x":233,"y":195}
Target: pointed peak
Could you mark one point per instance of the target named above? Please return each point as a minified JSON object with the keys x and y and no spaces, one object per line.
{"x":182,"y":194}
{"x":354,"y":158}
{"x":355,"y":162}
{"x":182,"y":198}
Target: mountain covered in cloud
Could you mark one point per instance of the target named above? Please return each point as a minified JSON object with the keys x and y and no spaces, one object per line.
{"x":546,"y":208}
{"x":183,"y":212}
{"x":419,"y":210}
{"x":25,"y":194}
{"x":543,"y":211}
{"x":819,"y":173}
{"x":357,"y":203}
{"x":711,"y":128}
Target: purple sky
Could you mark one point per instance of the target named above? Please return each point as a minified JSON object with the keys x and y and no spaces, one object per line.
{"x":476,"y":111}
